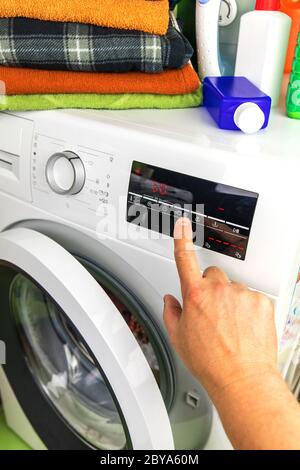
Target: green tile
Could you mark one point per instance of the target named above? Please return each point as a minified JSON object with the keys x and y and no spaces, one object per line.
{"x":8,"y":439}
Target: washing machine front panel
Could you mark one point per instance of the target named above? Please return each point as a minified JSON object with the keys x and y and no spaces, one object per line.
{"x":107,"y":147}
{"x":50,"y":288}
{"x":88,"y":181}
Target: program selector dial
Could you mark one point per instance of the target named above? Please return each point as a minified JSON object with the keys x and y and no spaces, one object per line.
{"x":65,"y":173}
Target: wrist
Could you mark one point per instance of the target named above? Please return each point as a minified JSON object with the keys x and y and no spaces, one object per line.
{"x":253,"y":406}
{"x":241,"y":380}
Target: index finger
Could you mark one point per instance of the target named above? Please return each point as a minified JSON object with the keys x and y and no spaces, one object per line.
{"x":185,"y":255}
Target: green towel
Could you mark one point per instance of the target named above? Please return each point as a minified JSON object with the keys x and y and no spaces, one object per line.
{"x":97,"y":101}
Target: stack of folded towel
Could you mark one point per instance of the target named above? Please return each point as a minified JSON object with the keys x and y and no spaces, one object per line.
{"x":102,"y":54}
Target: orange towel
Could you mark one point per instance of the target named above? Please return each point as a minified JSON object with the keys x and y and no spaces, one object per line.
{"x":151,"y":16}
{"x":19,"y":81}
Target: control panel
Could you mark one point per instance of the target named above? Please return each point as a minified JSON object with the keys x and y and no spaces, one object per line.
{"x":221,"y":215}
{"x":73,"y":181}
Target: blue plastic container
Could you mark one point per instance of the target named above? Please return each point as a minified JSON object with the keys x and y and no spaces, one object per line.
{"x":236,"y":104}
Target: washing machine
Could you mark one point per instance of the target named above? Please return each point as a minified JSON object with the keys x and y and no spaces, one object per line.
{"x":87,"y":206}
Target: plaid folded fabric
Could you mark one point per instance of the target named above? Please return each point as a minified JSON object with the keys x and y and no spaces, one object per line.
{"x":173,"y":3}
{"x":87,"y":48}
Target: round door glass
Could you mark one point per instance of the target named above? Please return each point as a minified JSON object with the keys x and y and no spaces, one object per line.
{"x":65,"y":370}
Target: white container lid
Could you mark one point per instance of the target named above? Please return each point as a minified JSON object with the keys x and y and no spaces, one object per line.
{"x":249,"y":117}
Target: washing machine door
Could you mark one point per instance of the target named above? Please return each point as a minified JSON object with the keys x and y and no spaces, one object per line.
{"x":92,"y":371}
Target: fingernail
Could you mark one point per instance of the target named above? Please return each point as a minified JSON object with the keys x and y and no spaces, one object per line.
{"x":183,"y":228}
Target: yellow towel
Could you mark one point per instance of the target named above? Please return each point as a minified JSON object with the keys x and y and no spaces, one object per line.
{"x":151,"y":16}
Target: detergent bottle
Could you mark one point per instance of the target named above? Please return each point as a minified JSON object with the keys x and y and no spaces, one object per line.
{"x":292,"y":8}
{"x":217,"y":31}
{"x":262,"y":47}
{"x":229,"y":26}
{"x":236,"y":104}
{"x":293,"y":95}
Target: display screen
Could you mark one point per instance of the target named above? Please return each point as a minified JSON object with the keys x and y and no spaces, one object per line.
{"x":221,"y":215}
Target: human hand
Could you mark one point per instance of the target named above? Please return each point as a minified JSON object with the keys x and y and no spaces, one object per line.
{"x":223,"y":331}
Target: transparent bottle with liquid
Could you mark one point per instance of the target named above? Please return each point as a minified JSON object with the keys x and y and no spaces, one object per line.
{"x":229,"y":25}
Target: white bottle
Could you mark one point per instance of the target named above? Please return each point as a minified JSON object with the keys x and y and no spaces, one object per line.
{"x":207,"y":26}
{"x":262,"y":47}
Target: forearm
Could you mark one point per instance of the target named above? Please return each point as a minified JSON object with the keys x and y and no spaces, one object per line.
{"x":226,"y":335}
{"x":260,"y":413}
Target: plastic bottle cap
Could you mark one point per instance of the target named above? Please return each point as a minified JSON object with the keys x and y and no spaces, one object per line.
{"x":249,"y":118}
{"x":267,"y":5}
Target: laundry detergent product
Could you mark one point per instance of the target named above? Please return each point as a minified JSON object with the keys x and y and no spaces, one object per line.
{"x":262,"y":46}
{"x":293,"y":95}
{"x":236,"y":104}
{"x":217,"y":30}
{"x":207,"y":35}
{"x":292,"y":8}
{"x":229,"y":25}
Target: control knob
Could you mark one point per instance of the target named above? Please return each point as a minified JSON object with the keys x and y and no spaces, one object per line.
{"x":65,"y":173}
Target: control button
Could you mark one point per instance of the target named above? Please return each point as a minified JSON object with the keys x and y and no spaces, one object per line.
{"x":65,"y":173}
{"x":199,"y":219}
{"x":100,"y":192}
{"x":192,"y":399}
{"x":236,"y":225}
{"x":238,"y":255}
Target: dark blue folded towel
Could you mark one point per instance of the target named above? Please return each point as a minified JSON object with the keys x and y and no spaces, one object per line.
{"x":81,"y":47}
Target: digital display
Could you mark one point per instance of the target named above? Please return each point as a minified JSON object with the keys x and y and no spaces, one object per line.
{"x":221,"y":215}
